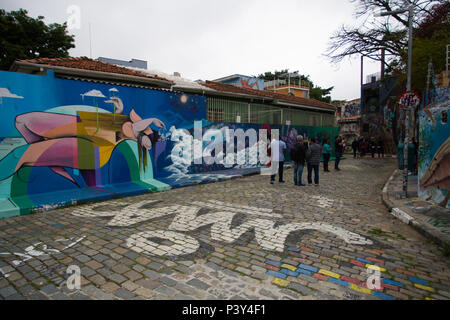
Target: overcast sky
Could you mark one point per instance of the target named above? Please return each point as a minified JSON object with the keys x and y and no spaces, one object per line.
{"x":209,"y":39}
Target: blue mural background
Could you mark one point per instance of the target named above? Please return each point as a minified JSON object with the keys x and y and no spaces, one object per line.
{"x":39,"y":187}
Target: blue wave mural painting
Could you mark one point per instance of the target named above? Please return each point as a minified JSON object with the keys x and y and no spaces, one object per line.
{"x":434,"y":149}
{"x":233,"y":148}
{"x":65,"y":142}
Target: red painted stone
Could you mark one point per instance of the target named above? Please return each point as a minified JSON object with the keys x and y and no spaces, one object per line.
{"x":358,"y":263}
{"x":320,"y":276}
{"x":389,"y":286}
{"x":379,"y":251}
{"x":406,"y":272}
{"x":351,"y":280}
{"x":375,"y":260}
{"x":268,"y":266}
{"x":306,"y":249}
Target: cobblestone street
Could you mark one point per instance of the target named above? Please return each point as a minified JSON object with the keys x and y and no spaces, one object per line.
{"x":237,"y":239}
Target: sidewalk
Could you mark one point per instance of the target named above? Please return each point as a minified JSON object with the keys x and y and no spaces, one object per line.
{"x":426,"y":217}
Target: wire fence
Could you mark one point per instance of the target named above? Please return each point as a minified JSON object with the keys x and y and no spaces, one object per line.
{"x":222,"y":110}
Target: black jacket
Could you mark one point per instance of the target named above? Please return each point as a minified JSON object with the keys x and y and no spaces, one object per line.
{"x":337,"y":146}
{"x":298,"y":153}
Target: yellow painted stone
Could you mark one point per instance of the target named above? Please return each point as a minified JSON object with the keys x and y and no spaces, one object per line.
{"x":360,"y":289}
{"x":280,"y":282}
{"x":289,"y":267}
{"x":374,"y":267}
{"x":417,"y":285}
{"x":329,"y":273}
{"x":429,"y":298}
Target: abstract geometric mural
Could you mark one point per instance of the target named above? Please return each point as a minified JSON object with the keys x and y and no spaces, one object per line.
{"x":64,"y":142}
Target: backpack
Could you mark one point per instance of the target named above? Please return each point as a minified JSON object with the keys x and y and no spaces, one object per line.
{"x":308,"y":154}
{"x":294,"y":154}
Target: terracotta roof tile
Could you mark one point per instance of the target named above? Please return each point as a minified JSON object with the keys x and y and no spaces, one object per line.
{"x":264,"y":93}
{"x":91,"y":64}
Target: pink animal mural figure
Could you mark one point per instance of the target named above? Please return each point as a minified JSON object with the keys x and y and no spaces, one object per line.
{"x":85,"y":141}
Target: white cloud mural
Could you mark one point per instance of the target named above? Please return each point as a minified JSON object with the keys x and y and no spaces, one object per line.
{"x":5,"y":93}
{"x":93,"y":93}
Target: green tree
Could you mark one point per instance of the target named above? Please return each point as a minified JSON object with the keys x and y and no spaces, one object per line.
{"x":429,"y":42}
{"x":24,"y":37}
{"x":268,"y":76}
{"x":320,"y":94}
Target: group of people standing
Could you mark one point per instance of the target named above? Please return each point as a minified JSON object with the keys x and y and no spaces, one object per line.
{"x":309,"y":153}
{"x":362,"y":146}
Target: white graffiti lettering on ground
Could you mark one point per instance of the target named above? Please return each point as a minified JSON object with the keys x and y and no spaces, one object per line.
{"x":181,"y":244}
{"x":324,"y":202}
{"x":230,"y":207}
{"x":268,"y":236}
{"x":129,"y":215}
{"x":38,"y":249}
{"x":187,"y":218}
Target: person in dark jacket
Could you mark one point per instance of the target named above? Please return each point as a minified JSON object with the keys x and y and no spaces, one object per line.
{"x":372,"y":146}
{"x":355,"y":147}
{"x":298,"y":155}
{"x":362,"y":147}
{"x":338,"y":149}
{"x":380,"y":148}
{"x":326,"y":151}
{"x":313,"y":159}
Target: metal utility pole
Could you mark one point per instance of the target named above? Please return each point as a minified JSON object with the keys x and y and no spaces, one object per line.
{"x":427,"y":92}
{"x":362,"y":69}
{"x":410,"y":9}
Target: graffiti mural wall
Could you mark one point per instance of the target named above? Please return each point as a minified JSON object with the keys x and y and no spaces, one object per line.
{"x":351,"y":109}
{"x":434,"y":150}
{"x":64,"y":142}
{"x":246,"y":82}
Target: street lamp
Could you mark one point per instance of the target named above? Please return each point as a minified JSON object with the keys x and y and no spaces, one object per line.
{"x":408,"y":88}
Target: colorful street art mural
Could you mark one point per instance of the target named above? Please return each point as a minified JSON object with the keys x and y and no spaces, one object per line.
{"x":434,"y":149}
{"x":64,"y":142}
{"x":351,"y":109}
{"x":349,"y":129}
{"x":348,"y":116}
{"x":246,"y":82}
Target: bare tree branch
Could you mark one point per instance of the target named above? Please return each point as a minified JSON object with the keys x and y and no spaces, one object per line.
{"x":372,"y":35}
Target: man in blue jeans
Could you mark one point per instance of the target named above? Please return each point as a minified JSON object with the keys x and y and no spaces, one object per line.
{"x":313,"y":159}
{"x":278,"y":148}
{"x":298,"y":154}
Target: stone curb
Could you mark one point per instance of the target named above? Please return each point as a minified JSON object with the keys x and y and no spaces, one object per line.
{"x":406,"y":218}
{"x":384,"y":194}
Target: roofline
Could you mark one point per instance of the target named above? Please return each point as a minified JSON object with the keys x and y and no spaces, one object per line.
{"x":250,"y":97}
{"x":292,"y":104}
{"x":93,"y":74}
{"x":226,"y":78}
{"x":236,"y":75}
{"x":330,"y":107}
{"x":213,"y":92}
